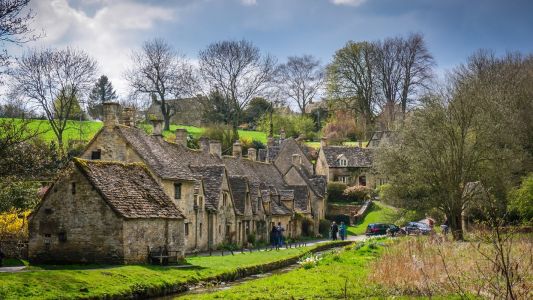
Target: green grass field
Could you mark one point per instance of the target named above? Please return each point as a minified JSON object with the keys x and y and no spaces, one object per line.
{"x":53,"y":282}
{"x":379,"y":213}
{"x":338,"y":275}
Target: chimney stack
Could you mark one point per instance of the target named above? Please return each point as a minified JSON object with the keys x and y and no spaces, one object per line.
{"x":323,"y":142}
{"x":110,"y":114}
{"x":128,"y":116}
{"x":215,"y":148}
{"x":181,"y":136}
{"x":296,"y":159}
{"x":252,"y":154}
{"x":158,"y":127}
{"x":204,"y":144}
{"x":237,"y":149}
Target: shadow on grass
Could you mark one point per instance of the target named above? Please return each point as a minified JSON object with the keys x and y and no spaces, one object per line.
{"x":14,"y":262}
{"x":89,"y":267}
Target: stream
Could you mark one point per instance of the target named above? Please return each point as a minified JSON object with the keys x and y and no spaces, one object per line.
{"x":205,"y":288}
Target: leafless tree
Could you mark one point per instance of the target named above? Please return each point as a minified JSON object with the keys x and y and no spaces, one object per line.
{"x":300,"y":79}
{"x":351,"y":80}
{"x":417,"y":68}
{"x":14,"y":26}
{"x":158,"y":70}
{"x":238,"y":71}
{"x":54,"y":79}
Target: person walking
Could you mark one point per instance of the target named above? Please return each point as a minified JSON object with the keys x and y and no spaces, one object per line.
{"x":280,"y":234}
{"x":342,"y":231}
{"x":334,"y":230}
{"x":274,"y":236}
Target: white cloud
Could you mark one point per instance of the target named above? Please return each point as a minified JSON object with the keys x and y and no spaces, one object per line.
{"x":108,"y":36}
{"x":348,"y":2}
{"x":249,"y":2}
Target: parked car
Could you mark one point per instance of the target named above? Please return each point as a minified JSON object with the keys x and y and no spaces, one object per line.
{"x":381,"y":229}
{"x":417,"y":228}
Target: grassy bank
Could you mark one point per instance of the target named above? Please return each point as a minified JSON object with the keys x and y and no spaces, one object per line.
{"x":340,"y":275}
{"x":379,"y":213}
{"x":96,"y":281}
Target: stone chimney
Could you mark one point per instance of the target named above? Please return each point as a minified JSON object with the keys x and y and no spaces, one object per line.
{"x":158,"y":127}
{"x":204,"y":144}
{"x":296,"y":159}
{"x":128,"y":116}
{"x":110,"y":114}
{"x":181,"y":136}
{"x":237,"y":149}
{"x":270,"y":141}
{"x":215,"y":148}
{"x":323,"y":142}
{"x":252,"y":154}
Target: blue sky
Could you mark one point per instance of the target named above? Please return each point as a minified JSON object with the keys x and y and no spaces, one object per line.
{"x":110,"y":29}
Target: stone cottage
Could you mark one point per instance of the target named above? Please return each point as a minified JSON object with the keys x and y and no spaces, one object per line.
{"x":345,"y":164}
{"x":223,"y":198}
{"x":104,"y":212}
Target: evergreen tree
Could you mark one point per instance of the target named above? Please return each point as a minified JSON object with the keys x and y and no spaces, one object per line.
{"x":102,"y":92}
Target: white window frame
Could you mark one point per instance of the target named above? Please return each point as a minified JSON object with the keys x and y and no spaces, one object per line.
{"x":343,"y":162}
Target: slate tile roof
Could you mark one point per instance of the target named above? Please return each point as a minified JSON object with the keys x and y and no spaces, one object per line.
{"x":168,"y":160}
{"x":357,"y":157}
{"x":301,"y":199}
{"x":256,"y":172}
{"x":238,"y":186}
{"x":212,"y":177}
{"x":129,"y":189}
{"x":278,"y":209}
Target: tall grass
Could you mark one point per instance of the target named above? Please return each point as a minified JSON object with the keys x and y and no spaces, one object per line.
{"x":433,"y":266}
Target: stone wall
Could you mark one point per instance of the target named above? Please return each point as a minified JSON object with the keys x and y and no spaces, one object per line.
{"x":14,"y":249}
{"x":347,"y":210}
{"x":75,"y":227}
{"x":140,"y":234}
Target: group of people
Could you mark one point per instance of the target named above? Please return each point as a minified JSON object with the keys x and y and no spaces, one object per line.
{"x":276,"y":235}
{"x":340,"y":229}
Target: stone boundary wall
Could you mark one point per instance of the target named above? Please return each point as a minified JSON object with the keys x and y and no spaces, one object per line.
{"x":361,"y":213}
{"x":14,"y":249}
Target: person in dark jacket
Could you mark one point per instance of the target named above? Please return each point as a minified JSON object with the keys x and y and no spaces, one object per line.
{"x":334,"y":230}
{"x":280,"y":234}
{"x":274,"y":236}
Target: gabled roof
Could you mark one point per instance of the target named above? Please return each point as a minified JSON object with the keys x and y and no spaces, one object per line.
{"x":239,"y":187}
{"x":129,"y":189}
{"x":256,"y":172}
{"x":301,"y":199}
{"x":167,"y":160}
{"x":357,"y":157}
{"x":212,"y":177}
{"x":278,"y":209}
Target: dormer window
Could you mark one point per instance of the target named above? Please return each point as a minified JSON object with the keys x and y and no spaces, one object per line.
{"x":177,"y":190}
{"x":343,"y":162}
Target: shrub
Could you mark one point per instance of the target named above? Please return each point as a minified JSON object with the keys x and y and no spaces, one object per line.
{"x":14,"y":224}
{"x":340,"y":127}
{"x":335,"y":192}
{"x":357,"y":193}
{"x":521,"y":200}
{"x":18,"y":194}
{"x":294,"y":125}
{"x":222,"y":133}
{"x":323,"y":227}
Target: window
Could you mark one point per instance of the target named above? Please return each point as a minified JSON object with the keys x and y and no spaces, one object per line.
{"x":186,"y":229}
{"x":362,"y":180}
{"x":62,"y":236}
{"x":177,"y":190}
{"x":73,"y":188}
{"x":343,"y":162}
{"x":200,"y":229}
{"x":47,"y":241}
{"x":224,"y":199}
{"x":48,"y":211}
{"x":96,"y":154}
{"x":219,"y":229}
{"x":343,"y":179}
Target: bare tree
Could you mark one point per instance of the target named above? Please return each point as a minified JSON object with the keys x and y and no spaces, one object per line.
{"x":14,"y":26}
{"x":161,"y":71}
{"x":351,"y":80}
{"x":417,"y":68}
{"x":301,"y":78}
{"x":238,"y":71}
{"x":54,"y":79}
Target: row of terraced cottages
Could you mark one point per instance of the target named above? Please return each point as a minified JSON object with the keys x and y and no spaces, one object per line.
{"x":130,"y":191}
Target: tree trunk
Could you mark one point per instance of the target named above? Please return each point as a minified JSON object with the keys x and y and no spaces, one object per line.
{"x":167,"y":122}
{"x":456,"y":226}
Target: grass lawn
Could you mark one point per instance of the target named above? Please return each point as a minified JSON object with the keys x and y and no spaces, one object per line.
{"x":52,"y":282}
{"x":327,"y":280}
{"x":379,"y":213}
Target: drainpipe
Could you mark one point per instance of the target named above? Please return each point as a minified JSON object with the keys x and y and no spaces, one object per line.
{"x":196,"y":222}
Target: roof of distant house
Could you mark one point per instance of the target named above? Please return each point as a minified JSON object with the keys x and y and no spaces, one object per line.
{"x":129,"y":189}
{"x":356,"y":157}
{"x":212,"y":178}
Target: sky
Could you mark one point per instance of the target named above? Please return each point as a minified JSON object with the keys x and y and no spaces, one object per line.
{"x":110,"y":29}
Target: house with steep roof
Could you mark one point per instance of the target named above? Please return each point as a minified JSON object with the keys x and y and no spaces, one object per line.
{"x":346,"y":164}
{"x":104,"y":212}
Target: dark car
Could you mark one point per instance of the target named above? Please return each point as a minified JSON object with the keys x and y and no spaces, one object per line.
{"x":381,"y":229}
{"x":417,"y":228}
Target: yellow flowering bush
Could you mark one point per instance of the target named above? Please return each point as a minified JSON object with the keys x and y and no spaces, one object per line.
{"x":14,"y":224}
